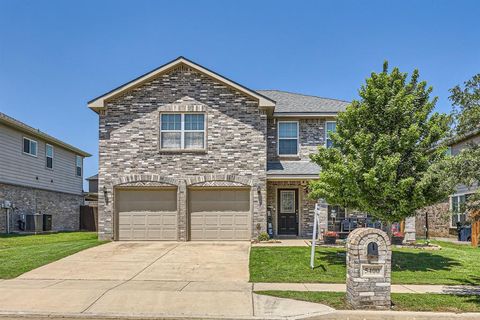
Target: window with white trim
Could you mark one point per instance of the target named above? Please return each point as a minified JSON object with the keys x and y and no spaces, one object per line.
{"x":30,"y":146}
{"x":183,"y":131}
{"x":458,"y":208}
{"x":330,"y":126}
{"x":288,"y":138}
{"x":49,"y":156}
{"x":78,"y":165}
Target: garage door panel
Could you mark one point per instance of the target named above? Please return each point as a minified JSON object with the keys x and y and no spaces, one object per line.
{"x":219,"y":214}
{"x":147,"y":214}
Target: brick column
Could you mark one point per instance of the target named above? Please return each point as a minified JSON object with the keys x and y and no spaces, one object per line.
{"x":182,"y":212}
{"x":410,"y":229}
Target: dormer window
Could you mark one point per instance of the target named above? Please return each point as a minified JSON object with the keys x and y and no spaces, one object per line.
{"x":182,"y":131}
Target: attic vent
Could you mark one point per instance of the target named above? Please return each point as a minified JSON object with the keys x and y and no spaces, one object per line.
{"x":183,"y":68}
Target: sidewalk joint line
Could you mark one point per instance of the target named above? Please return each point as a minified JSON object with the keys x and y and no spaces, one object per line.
{"x":103,"y":294}
{"x":188,"y":282}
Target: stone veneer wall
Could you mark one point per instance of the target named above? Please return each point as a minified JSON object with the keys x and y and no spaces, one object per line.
{"x":438,"y":220}
{"x":311,"y":132}
{"x":130,"y":152}
{"x":64,"y":207}
{"x":306,"y":206}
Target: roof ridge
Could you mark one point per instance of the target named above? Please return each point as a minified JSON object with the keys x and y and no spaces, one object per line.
{"x":303,"y":94}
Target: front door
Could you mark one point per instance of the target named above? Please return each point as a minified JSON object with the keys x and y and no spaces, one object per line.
{"x":288,"y":212}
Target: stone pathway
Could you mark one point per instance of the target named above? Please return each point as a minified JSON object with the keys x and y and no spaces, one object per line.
{"x":396,"y":288}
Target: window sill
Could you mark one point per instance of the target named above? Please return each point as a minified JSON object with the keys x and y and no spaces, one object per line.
{"x":182,"y":150}
{"x":289,"y":157}
{"x":30,"y":154}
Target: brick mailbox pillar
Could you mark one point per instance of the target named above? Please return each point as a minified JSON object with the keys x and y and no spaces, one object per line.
{"x":369,"y":259}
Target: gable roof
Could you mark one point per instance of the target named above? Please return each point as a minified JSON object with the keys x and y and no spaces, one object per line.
{"x":20,"y":126}
{"x":94,"y":177}
{"x":288,"y":104}
{"x":99,"y":102}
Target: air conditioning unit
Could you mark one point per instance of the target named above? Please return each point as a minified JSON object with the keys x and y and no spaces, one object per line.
{"x":34,"y":222}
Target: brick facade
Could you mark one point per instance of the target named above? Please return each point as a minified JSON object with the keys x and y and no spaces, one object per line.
{"x":64,"y":207}
{"x":311,"y":135}
{"x":129,"y":143}
{"x":438,"y":220}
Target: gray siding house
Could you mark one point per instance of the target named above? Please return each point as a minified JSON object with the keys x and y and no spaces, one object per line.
{"x":443,"y":216}
{"x":187,"y":154}
{"x":39,"y":174}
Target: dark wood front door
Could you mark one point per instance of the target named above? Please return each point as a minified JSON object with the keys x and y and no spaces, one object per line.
{"x":288,"y":212}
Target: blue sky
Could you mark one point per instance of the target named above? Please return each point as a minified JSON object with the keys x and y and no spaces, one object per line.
{"x":57,"y":55}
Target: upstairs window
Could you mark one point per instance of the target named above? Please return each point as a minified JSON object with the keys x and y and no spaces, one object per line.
{"x":182,"y":131}
{"x":79,"y":166}
{"x":288,"y":138}
{"x":49,"y":156}
{"x":331,"y":126}
{"x":30,"y":147}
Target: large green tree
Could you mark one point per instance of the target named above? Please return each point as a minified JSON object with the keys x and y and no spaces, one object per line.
{"x":465,"y":167}
{"x":466,"y":105}
{"x":385,"y":159}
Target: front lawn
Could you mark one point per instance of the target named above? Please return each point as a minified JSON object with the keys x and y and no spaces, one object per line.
{"x":401,"y":301}
{"x":453,"y":264}
{"x":19,"y":254}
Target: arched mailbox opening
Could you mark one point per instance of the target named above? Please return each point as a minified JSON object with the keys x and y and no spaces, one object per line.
{"x":372,"y":251}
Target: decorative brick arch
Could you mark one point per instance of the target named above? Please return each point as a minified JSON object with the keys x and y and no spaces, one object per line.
{"x":133,"y":179}
{"x":234,"y":179}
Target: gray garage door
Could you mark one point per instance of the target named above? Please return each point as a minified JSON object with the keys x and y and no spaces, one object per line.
{"x":147,"y":214}
{"x":219,"y":214}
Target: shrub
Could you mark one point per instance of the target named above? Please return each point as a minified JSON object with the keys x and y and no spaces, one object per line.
{"x":263,"y":236}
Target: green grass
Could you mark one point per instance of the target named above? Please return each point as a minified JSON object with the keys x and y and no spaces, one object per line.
{"x":19,"y":254}
{"x":453,"y":264}
{"x":401,"y":301}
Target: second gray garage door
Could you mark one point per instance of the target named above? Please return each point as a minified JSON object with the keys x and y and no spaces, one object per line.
{"x":147,"y":214}
{"x":219,"y":214}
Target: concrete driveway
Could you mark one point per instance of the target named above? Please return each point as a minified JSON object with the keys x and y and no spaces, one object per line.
{"x":193,"y":279}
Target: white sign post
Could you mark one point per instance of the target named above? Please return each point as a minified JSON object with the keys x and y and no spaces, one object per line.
{"x":314,"y":235}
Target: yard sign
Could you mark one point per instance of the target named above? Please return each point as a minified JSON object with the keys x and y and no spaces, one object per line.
{"x":314,"y":235}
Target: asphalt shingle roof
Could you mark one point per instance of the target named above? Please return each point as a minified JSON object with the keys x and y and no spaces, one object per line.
{"x":287,"y":102}
{"x":292,"y":168}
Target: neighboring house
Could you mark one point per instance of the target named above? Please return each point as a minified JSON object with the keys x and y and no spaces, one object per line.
{"x":187,"y":154}
{"x":39,"y":174}
{"x":91,"y":196}
{"x":443,"y":216}
{"x":89,"y":211}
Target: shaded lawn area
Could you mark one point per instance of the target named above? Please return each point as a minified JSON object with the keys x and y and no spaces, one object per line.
{"x":400,"y":301}
{"x":22,"y":253}
{"x":453,"y":264}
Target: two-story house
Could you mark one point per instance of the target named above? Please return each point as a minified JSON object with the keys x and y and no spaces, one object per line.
{"x":187,"y":154}
{"x":442,"y":218}
{"x":38,"y":174}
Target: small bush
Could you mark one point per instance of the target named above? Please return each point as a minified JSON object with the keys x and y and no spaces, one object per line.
{"x":263,"y":236}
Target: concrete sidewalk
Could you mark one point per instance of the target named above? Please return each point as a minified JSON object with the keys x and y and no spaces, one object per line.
{"x":396,"y":288}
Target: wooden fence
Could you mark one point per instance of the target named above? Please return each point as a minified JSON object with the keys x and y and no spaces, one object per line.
{"x":88,"y":218}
